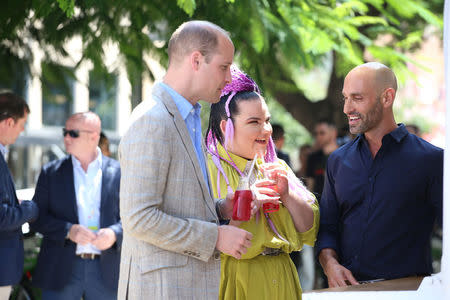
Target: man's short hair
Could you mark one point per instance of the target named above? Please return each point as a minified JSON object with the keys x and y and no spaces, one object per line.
{"x":277,"y":132}
{"x":12,"y":106}
{"x":193,"y":36}
{"x":327,"y":122}
{"x":103,"y":138}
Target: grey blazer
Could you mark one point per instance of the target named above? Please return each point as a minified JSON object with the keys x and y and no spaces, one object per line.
{"x":168,"y":216}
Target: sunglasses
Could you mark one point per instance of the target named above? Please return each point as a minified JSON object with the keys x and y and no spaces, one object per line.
{"x":73,"y":133}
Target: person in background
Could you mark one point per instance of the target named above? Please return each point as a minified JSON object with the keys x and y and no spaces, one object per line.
{"x":344,"y":136}
{"x":414,"y":129}
{"x":278,"y":139}
{"x":383,"y":190}
{"x":78,"y":199}
{"x":103,"y":144}
{"x":305,"y":151}
{"x":239,"y":128}
{"x":305,"y":261}
{"x":325,"y":133}
{"x":13,"y":213}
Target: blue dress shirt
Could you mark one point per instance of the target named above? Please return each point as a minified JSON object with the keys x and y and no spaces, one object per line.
{"x":378,"y":213}
{"x":191,"y":116}
{"x":3,"y":150}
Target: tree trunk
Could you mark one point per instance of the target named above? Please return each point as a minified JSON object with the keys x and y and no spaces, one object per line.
{"x":309,"y":113}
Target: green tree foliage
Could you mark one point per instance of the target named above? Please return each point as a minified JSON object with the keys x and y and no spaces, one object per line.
{"x":276,"y":40}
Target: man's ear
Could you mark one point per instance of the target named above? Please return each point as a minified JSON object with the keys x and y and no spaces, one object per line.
{"x":195,"y":59}
{"x":223,"y":125}
{"x":388,"y":97}
{"x":9,"y":122}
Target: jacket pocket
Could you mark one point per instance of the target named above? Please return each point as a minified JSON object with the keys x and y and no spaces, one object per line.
{"x":161,"y":260}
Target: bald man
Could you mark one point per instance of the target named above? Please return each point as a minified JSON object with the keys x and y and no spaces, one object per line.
{"x":78,"y":199}
{"x":172,"y":236}
{"x":383,"y":190}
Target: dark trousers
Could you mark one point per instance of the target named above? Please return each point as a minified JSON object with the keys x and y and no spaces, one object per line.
{"x":86,"y":281}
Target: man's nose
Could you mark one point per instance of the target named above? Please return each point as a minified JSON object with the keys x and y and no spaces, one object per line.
{"x":228,"y":76}
{"x":347,"y":106}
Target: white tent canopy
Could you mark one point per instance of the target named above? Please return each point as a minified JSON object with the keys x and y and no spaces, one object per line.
{"x":436,"y":287}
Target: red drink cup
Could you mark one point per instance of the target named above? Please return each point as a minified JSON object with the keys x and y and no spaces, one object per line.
{"x":271,"y":207}
{"x":242,"y":205}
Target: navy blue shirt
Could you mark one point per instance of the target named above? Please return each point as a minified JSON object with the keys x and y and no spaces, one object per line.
{"x":378,"y":213}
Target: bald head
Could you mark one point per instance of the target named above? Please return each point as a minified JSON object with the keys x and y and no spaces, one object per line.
{"x":202,"y":36}
{"x":382,"y":76}
{"x":91,"y":121}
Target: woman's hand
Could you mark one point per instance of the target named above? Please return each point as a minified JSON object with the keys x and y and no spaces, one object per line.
{"x":278,"y":176}
{"x":265,"y":191}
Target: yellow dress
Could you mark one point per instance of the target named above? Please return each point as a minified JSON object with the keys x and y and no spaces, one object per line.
{"x":257,"y":276}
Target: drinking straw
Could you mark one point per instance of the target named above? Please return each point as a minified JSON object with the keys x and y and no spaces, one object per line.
{"x":251,"y":167}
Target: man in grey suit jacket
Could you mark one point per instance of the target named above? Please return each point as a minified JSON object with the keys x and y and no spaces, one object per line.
{"x":171,"y":234}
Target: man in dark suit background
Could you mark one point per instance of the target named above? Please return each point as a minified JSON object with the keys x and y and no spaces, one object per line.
{"x":78,"y":198}
{"x":13,"y":213}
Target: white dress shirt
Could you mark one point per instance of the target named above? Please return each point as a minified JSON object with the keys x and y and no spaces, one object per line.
{"x":88,"y":186}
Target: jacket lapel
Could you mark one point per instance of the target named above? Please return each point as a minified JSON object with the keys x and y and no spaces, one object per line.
{"x":104,"y":192}
{"x":69,"y":184}
{"x":9,"y":179}
{"x":168,"y":102}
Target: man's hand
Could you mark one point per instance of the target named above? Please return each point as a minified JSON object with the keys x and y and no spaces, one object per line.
{"x":81,"y":235}
{"x":337,"y":274}
{"x":233,"y":241}
{"x":106,"y":237}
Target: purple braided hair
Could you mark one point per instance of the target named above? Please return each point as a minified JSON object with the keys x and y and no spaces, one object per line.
{"x":240,"y":82}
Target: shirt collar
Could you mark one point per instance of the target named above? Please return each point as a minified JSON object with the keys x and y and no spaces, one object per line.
{"x":96,"y":162}
{"x":183,"y":105}
{"x":397,"y":134}
{"x":240,"y":162}
{"x":3,"y":150}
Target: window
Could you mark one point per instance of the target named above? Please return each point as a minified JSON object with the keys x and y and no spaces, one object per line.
{"x":57,"y":83}
{"x":102,"y":97}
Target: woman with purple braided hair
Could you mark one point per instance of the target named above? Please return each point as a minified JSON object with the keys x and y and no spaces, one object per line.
{"x":238,"y":129}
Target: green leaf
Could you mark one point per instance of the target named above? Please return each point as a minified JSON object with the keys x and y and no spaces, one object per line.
{"x":367,"y":20}
{"x":187,"y":5}
{"x":67,"y":6}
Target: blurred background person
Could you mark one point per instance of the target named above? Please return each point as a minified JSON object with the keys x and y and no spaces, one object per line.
{"x":278,"y":139}
{"x":344,"y":135}
{"x":78,"y":198}
{"x":414,"y":129}
{"x":103,"y":144}
{"x":305,"y":151}
{"x":325,"y":134}
{"x":13,"y":213}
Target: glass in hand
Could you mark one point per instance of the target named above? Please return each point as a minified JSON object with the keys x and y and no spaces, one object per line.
{"x":266,"y":174}
{"x":242,"y":200}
